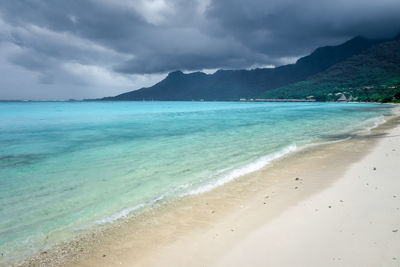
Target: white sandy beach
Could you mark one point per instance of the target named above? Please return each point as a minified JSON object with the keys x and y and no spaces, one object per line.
{"x":353,"y":222}
{"x":332,"y":205}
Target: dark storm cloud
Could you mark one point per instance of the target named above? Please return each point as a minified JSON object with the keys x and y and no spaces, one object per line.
{"x":291,"y":28}
{"x":116,"y":42}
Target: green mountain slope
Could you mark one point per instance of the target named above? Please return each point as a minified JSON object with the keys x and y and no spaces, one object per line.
{"x":235,"y":84}
{"x":374,"y":75}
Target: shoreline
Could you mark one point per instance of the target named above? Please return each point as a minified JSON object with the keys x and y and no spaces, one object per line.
{"x":144,"y":239}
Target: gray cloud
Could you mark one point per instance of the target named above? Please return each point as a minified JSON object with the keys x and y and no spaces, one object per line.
{"x":92,"y":48}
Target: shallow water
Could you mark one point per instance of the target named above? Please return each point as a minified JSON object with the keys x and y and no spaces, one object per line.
{"x":67,"y":166}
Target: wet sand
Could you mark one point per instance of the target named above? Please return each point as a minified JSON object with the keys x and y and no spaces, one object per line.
{"x":335,"y":204}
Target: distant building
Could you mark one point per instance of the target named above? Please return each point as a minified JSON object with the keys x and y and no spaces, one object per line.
{"x":342,"y":98}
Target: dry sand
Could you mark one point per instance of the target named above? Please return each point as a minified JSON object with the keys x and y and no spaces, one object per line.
{"x":353,"y":222}
{"x":331,"y":205}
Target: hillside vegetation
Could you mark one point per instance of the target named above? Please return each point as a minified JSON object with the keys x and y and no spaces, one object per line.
{"x":373,"y":75}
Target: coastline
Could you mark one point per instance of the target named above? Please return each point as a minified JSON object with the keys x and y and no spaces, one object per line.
{"x":213,"y":223}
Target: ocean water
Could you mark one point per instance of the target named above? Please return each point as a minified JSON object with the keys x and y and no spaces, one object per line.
{"x":69,"y":166}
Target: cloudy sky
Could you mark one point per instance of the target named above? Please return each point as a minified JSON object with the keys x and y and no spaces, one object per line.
{"x":58,"y":49}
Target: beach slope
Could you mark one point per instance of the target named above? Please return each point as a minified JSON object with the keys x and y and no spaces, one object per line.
{"x":335,"y":204}
{"x":353,"y":221}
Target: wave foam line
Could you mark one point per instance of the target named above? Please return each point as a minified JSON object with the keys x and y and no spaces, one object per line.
{"x":246,"y":169}
{"x":125,"y":212}
{"x":377,"y":121}
{"x":327,"y":142}
{"x":122,"y":214}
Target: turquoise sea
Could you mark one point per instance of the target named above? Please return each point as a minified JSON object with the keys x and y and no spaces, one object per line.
{"x":68,"y":166}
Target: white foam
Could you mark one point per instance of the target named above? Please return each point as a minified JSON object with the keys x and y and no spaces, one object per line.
{"x":246,"y":169}
{"x":327,"y":142}
{"x":380,"y":120}
{"x":125,"y":212}
{"x":375,"y":122}
{"x":122,"y":214}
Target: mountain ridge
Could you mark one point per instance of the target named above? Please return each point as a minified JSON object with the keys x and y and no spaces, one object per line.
{"x":236,"y":84}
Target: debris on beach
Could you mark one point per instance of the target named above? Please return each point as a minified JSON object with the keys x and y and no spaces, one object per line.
{"x":374,"y":169}
{"x":395,"y":230}
{"x":329,"y":206}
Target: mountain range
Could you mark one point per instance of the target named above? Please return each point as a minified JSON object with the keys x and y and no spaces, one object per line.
{"x":225,"y":85}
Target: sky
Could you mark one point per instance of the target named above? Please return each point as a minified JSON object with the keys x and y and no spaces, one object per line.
{"x":58,"y":49}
